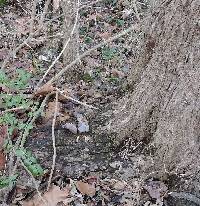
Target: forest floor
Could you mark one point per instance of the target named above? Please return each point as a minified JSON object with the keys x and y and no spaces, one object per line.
{"x":89,"y":168}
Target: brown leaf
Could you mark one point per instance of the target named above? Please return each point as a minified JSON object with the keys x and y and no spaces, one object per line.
{"x":2,"y":161}
{"x":49,"y":112}
{"x":44,"y":90}
{"x":3,"y":88}
{"x":117,"y":73}
{"x":63,"y":117}
{"x":91,"y":62}
{"x":85,"y":188}
{"x":119,"y":185}
{"x":3,"y":135}
{"x":105,"y":35}
{"x":52,"y":197}
{"x":94,"y":16}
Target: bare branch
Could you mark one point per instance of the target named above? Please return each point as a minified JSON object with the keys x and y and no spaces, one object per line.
{"x":74,"y":100}
{"x":53,"y":141}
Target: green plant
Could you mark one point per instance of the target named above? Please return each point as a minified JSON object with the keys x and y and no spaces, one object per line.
{"x":120,"y":22}
{"x":83,"y":30}
{"x":88,"y":40}
{"x":2,"y":2}
{"x":114,"y":80}
{"x":97,"y":72}
{"x":108,"y":53}
{"x":12,"y":99}
{"x":30,"y":162}
{"x":8,"y":181}
{"x":16,"y":99}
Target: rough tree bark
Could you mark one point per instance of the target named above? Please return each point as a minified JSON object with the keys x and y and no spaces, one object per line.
{"x":163,"y":107}
{"x":69,"y":8}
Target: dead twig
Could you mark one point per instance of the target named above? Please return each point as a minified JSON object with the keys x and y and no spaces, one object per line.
{"x":53,"y":141}
{"x":33,"y":12}
{"x":12,"y":110}
{"x":89,"y":4}
{"x":74,"y":100}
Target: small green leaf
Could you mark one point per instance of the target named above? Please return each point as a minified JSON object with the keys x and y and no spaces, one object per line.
{"x":114,"y":80}
{"x":30,"y":162}
{"x":20,"y":153}
{"x":7,"y":181}
{"x":120,"y":22}
{"x":108,"y":53}
{"x":3,"y":77}
{"x":83,"y":30}
{"x":7,"y":145}
{"x":88,"y":40}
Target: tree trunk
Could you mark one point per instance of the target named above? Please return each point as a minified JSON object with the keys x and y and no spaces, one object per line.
{"x":70,"y":53}
{"x":163,"y":107}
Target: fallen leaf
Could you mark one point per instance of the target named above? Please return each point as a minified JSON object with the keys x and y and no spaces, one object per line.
{"x":91,"y":62}
{"x":3,"y":135}
{"x":71,"y":127}
{"x":44,"y":90}
{"x":127,"y":13}
{"x":156,"y":189}
{"x":49,"y":112}
{"x":117,"y":73}
{"x":63,"y":117}
{"x":105,"y":35}
{"x":92,"y":17}
{"x":119,"y":185}
{"x":3,"y":53}
{"x":85,"y":188}
{"x":44,"y":58}
{"x":54,"y":196}
{"x":2,"y":160}
{"x":83,"y":125}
